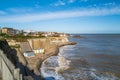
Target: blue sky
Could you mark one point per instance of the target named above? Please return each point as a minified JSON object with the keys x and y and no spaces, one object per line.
{"x":71,"y":16}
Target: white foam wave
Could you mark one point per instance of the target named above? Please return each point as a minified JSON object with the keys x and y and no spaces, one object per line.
{"x":58,"y":67}
{"x":54,"y":65}
{"x":64,"y":49}
{"x":52,"y":68}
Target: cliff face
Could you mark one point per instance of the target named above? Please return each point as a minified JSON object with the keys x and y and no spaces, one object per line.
{"x":8,"y":62}
{"x":12,"y":56}
{"x":51,"y":46}
{"x":8,"y":51}
{"x":35,"y":62}
{"x":61,"y":41}
{"x":29,"y":67}
{"x":58,"y":39}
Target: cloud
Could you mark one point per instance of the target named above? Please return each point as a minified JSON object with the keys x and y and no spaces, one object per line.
{"x":59,"y":15}
{"x":83,"y":0}
{"x":110,"y":4}
{"x":2,"y":12}
{"x":37,"y":5}
{"x":20,"y":10}
{"x":59,"y":3}
{"x":63,"y":2}
{"x":71,"y":1}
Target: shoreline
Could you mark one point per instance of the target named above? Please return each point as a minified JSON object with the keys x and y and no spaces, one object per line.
{"x":31,"y":65}
{"x":55,"y":50}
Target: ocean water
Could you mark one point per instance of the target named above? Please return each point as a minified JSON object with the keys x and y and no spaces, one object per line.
{"x":94,"y":57}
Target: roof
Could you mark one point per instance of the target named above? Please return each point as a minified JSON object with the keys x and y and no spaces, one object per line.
{"x":31,"y":53}
{"x":6,"y":28}
{"x":28,"y":54}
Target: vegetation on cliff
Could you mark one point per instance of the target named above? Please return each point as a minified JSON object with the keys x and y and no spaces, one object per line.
{"x":19,"y":37}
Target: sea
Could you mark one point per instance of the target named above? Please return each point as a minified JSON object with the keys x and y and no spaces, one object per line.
{"x":94,"y":57}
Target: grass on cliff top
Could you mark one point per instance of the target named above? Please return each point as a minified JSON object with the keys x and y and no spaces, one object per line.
{"x":18,"y":38}
{"x":15,"y":46}
{"x":2,"y":38}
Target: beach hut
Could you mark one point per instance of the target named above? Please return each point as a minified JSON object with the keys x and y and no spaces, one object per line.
{"x":29,"y":54}
{"x":38,"y":51}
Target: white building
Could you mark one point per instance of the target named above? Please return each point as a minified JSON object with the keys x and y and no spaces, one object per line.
{"x":38,"y":51}
{"x":29,"y":54}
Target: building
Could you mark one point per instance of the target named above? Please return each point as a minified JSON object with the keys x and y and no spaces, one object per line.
{"x":26,"y":49}
{"x":62,"y":34}
{"x":8,"y":31}
{"x":29,"y":54}
{"x":37,"y":51}
{"x":16,"y":31}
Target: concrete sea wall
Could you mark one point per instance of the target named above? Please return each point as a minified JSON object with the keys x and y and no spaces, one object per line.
{"x":9,"y":72}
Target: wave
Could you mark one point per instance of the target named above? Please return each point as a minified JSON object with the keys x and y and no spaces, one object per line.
{"x":59,"y":68}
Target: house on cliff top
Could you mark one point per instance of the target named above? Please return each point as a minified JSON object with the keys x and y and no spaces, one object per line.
{"x":10,"y":31}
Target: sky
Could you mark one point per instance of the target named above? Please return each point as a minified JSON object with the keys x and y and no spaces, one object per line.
{"x":69,"y":16}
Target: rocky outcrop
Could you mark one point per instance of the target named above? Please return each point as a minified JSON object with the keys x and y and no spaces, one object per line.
{"x":8,"y":62}
{"x":65,"y":43}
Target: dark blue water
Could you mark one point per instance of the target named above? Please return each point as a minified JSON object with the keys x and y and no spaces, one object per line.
{"x":94,"y":57}
{"x":100,"y":51}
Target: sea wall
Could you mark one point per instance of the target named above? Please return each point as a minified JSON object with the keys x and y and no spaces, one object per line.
{"x":7,"y":68}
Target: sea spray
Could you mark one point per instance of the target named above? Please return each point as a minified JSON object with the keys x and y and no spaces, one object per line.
{"x":63,"y":65}
{"x":59,"y":68}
